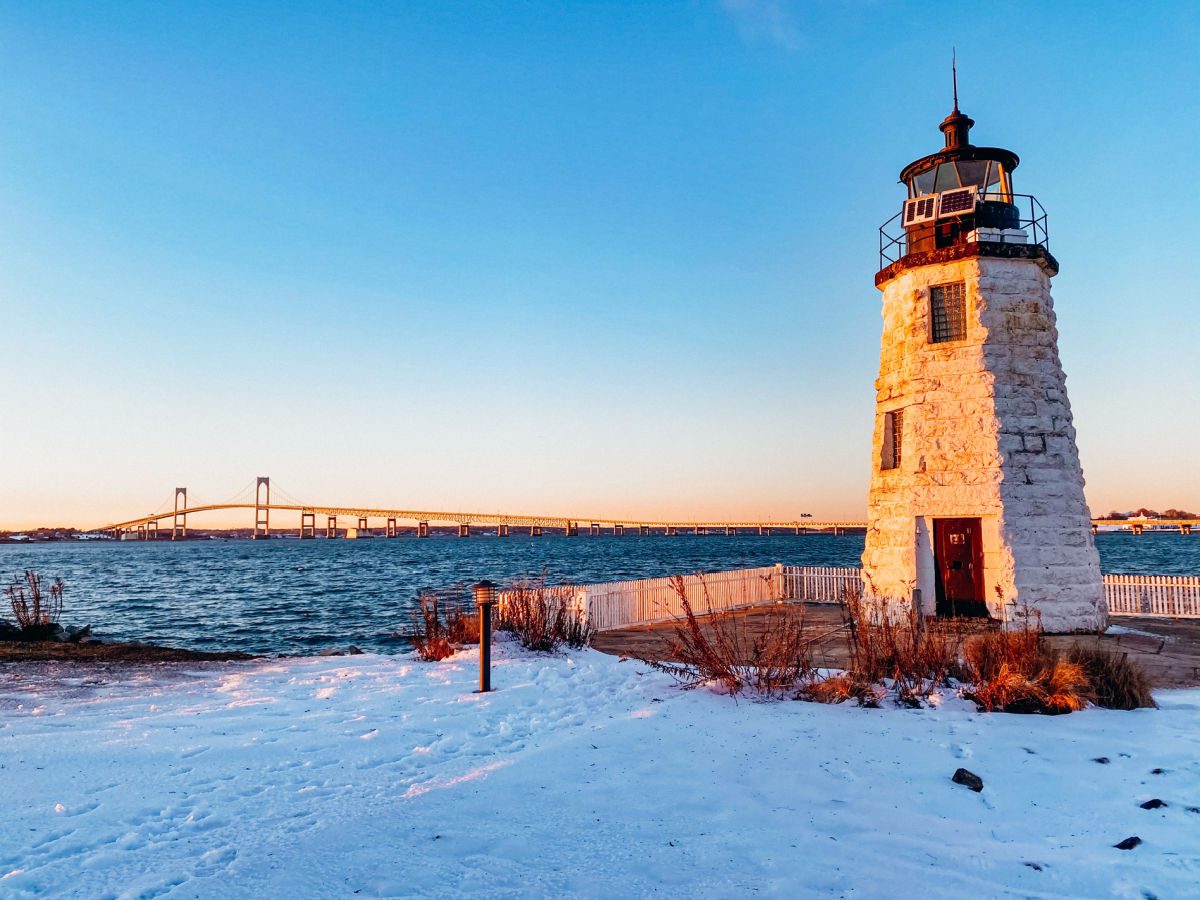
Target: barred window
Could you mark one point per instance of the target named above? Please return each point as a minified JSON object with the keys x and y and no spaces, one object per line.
{"x":893,"y":432}
{"x":948,"y":312}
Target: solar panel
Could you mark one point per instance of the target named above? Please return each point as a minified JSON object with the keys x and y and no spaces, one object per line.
{"x":920,"y":209}
{"x":956,"y":201}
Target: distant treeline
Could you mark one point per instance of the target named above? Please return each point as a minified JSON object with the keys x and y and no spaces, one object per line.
{"x":1153,"y":514}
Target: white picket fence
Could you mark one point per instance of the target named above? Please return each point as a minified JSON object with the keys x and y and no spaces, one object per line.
{"x":618,"y":604}
{"x":1176,"y":596}
{"x":820,"y":584}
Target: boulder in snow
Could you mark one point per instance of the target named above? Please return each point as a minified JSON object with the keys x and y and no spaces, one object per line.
{"x":967,"y":778}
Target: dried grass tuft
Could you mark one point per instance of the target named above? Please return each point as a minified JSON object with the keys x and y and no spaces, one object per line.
{"x":429,"y":634}
{"x":1116,"y":681}
{"x":544,"y":617}
{"x":1016,"y":671}
{"x":723,"y":650}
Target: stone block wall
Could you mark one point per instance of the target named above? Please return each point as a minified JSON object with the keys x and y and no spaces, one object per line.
{"x":987,"y":432}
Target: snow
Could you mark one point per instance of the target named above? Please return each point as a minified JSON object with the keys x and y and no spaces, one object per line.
{"x":583,"y":775}
{"x":1125,"y":629}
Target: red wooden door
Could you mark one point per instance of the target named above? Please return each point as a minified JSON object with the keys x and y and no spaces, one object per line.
{"x":958,"y":554}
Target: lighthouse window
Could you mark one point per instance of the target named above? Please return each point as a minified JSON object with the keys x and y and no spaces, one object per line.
{"x":947,"y":177}
{"x":948,"y":312}
{"x":893,"y":429}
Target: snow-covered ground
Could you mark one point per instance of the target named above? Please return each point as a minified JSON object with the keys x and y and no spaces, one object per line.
{"x":581,"y":776}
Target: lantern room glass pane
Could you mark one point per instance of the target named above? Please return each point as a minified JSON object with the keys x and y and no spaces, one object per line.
{"x":947,"y":177}
{"x":972,"y":172}
{"x":922,"y":184}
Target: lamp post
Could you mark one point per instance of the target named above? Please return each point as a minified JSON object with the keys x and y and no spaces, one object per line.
{"x":485,"y":598}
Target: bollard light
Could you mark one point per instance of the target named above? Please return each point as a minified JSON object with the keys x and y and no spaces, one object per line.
{"x":485,"y":599}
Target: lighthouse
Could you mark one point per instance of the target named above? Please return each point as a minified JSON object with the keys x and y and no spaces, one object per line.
{"x":976,"y":504}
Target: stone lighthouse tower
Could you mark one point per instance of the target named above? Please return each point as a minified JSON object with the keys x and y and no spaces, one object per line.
{"x":976,"y":504}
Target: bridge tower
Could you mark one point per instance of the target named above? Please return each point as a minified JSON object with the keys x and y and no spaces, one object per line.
{"x":976,"y":502}
{"x":262,"y":508}
{"x":179,"y":522}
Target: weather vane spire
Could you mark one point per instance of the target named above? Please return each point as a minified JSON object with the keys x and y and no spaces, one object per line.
{"x":954,"y":74}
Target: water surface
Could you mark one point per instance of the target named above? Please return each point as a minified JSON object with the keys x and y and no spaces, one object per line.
{"x":290,"y":596}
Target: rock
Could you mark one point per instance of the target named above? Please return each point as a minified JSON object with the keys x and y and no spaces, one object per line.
{"x":1103,"y":760}
{"x":1153,"y":804}
{"x":331,"y":651}
{"x":968,"y":779}
{"x":9,"y":632}
{"x":1129,"y":843}
{"x":75,"y":635}
{"x":354,"y":651}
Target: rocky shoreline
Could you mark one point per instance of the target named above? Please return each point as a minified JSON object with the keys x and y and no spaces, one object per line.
{"x":96,"y":651}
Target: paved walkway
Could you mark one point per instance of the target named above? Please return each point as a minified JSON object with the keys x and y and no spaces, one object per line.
{"x":1168,"y":649}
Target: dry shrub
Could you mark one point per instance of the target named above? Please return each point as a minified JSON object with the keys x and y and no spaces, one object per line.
{"x":1015,"y":671}
{"x":544,"y":617}
{"x":1116,"y":681}
{"x":35,"y":608}
{"x":771,"y":660}
{"x":914,"y":654}
{"x":839,"y":688}
{"x":429,"y":634}
{"x":462,"y":626}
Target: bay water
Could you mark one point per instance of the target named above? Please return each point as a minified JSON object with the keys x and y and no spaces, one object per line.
{"x":298,"y":597}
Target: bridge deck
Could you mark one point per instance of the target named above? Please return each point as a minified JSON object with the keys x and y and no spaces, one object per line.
{"x":1168,"y":649}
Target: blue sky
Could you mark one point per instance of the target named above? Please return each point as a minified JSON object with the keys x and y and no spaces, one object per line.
{"x":593,"y":259}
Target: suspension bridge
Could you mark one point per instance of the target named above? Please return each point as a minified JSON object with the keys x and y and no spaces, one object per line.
{"x":357,"y":521}
{"x":393,"y":522}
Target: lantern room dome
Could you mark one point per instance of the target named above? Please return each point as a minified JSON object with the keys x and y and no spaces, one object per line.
{"x":960,"y":163}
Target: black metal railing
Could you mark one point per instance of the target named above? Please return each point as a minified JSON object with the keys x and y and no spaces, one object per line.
{"x":1030,"y":217}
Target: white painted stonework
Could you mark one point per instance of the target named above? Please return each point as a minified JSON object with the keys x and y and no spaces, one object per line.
{"x":987,"y":433}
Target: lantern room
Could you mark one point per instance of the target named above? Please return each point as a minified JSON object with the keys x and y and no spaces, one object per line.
{"x":962,"y":194}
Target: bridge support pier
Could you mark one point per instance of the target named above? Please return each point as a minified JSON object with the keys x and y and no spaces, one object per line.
{"x":535,"y":530}
{"x":730,"y":531}
{"x":141,"y":532}
{"x":262,"y":508}
{"x":308,"y":525}
{"x":671,"y":531}
{"x":363,"y":530}
{"x":1095,"y":529}
{"x":643,"y":530}
{"x":330,"y":526}
{"x":464,"y":529}
{"x":422,"y":529}
{"x":572,"y":529}
{"x":595,"y":529}
{"x":501,"y":530}
{"x":152,"y":530}
{"x":618,"y":531}
{"x":179,"y":523}
{"x":390,"y":529}
{"x":1185,"y":529}
{"x":1136,"y":529}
